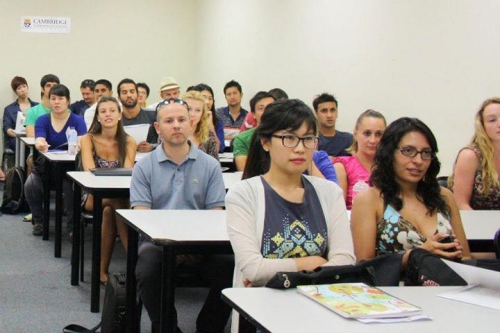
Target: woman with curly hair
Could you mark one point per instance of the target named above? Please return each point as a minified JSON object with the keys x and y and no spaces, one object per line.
{"x":474,"y":181}
{"x":202,"y":137}
{"x":406,"y":208}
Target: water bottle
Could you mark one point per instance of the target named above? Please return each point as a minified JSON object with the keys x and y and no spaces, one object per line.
{"x":72,"y":137}
{"x":358,"y":187}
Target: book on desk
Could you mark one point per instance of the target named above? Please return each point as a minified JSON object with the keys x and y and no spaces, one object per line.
{"x":358,"y":300}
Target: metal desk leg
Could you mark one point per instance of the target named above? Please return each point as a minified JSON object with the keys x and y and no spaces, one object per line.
{"x":59,"y":212}
{"x":75,"y":253}
{"x":18,"y":152}
{"x":46,"y":198}
{"x":133,"y":325}
{"x":96,"y":253}
{"x":167,"y":324}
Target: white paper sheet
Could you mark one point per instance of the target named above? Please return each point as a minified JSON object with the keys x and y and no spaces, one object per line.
{"x":138,"y":132}
{"x":483,"y":288}
{"x":19,"y":122}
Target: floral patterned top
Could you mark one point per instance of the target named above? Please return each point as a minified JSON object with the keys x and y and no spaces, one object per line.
{"x":478,"y":199}
{"x":210,"y":146}
{"x":395,"y":234}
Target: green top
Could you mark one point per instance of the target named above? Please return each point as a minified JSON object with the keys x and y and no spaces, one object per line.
{"x":241,"y":143}
{"x":34,"y":113}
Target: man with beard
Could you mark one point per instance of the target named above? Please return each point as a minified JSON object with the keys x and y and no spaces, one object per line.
{"x":332,"y":141}
{"x":134,"y":115}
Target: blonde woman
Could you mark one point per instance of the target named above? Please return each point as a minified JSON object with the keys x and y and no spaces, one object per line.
{"x":353,"y":172}
{"x":474,"y":181}
{"x":202,"y":137}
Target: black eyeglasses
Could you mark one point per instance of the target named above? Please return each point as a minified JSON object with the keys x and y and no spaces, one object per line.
{"x":412,"y":152}
{"x":172,"y":101}
{"x":292,"y":141}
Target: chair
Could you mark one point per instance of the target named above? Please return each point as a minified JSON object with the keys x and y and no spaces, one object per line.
{"x":443,"y":181}
{"x":496,"y":243}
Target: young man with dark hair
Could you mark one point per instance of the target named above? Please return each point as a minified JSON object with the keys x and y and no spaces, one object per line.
{"x":132,"y":114}
{"x":232,"y":115}
{"x":87,"y":89}
{"x":36,"y":111}
{"x":242,"y":141}
{"x":332,"y":141}
{"x":23,"y":103}
{"x":102,"y":88}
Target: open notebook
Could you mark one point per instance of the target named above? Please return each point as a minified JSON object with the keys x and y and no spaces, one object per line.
{"x":112,"y":171}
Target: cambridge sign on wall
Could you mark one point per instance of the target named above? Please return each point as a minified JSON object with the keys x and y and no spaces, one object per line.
{"x":47,"y":25}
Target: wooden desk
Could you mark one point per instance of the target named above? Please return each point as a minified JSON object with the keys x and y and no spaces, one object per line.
{"x":19,"y":154}
{"x":62,"y":162}
{"x":480,"y":228}
{"x":100,"y":187}
{"x":285,"y":311}
{"x":179,"y":232}
{"x":23,"y":141}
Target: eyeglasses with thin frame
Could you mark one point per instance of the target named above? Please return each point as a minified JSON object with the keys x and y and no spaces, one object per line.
{"x":426,"y":155}
{"x":292,"y":141}
{"x":172,"y":101}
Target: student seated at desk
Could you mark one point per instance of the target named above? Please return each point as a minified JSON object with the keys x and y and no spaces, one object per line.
{"x":50,"y":134}
{"x":279,"y":219}
{"x":406,"y":208}
{"x":108,"y":146}
{"x":177,"y":175}
{"x":353,"y":172}
{"x":474,"y":181}
{"x":201,"y":136}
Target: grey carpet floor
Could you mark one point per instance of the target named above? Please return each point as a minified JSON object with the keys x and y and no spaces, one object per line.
{"x":35,"y":290}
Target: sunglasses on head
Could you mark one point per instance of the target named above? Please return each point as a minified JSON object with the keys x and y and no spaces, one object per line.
{"x":172,"y":101}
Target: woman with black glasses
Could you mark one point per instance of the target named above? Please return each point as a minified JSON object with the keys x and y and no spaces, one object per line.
{"x":280,"y":219}
{"x":406,"y":208}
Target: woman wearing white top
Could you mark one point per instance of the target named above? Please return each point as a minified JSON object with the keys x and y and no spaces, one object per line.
{"x":307,"y":226}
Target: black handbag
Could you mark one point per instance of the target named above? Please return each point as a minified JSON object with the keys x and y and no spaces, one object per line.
{"x":380,"y":271}
{"x":427,"y":269}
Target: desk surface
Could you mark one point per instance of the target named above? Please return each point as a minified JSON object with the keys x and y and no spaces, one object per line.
{"x":480,"y":224}
{"x":287,"y":311}
{"x":29,"y":141}
{"x":178,"y":225}
{"x":89,"y":180}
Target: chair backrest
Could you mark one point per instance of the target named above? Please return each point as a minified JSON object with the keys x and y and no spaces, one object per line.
{"x":443,"y":181}
{"x":496,"y":242}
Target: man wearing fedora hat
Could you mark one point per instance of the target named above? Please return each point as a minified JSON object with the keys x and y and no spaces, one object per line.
{"x":168,"y":89}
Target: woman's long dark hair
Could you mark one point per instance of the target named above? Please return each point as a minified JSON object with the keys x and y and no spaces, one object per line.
{"x":201,"y":87}
{"x":280,"y":115}
{"x":121,"y":135}
{"x":384,"y":177}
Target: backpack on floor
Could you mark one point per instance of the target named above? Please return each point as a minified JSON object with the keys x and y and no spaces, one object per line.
{"x":113,"y":310}
{"x":13,"y":195}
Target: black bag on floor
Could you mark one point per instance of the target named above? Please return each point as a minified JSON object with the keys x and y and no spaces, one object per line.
{"x":113,"y":310}
{"x":13,"y":195}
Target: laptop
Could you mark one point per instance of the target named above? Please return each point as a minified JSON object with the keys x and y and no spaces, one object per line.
{"x":112,"y":171}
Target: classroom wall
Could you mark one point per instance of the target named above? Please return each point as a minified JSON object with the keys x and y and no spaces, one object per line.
{"x":144,"y":40}
{"x":432,"y":59}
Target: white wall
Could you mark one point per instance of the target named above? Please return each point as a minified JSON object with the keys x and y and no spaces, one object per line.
{"x":144,"y":40}
{"x":432,"y":59}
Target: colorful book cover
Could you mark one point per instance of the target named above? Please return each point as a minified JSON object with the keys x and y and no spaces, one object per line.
{"x":358,"y":300}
